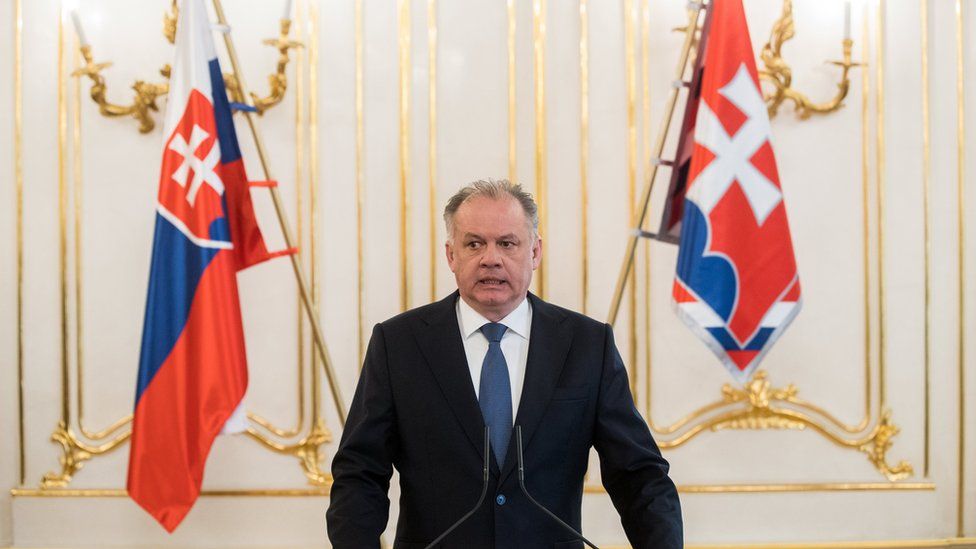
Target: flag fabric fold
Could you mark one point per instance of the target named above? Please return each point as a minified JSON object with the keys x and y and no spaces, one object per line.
{"x":736,"y":283}
{"x":192,"y":365}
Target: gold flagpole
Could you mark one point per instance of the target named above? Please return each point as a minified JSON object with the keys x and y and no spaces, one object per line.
{"x":282,"y":221}
{"x":641,"y":214}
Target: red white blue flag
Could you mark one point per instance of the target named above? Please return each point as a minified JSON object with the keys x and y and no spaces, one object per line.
{"x":736,"y":284}
{"x":192,"y":367}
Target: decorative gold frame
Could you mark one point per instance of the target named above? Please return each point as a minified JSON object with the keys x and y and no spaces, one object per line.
{"x":82,"y":444}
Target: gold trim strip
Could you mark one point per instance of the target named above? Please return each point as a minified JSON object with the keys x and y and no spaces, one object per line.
{"x":432,"y":138}
{"x":880,"y":160}
{"x":541,"y":175}
{"x":791,"y":487}
{"x":631,"y":84}
{"x":645,"y":56}
{"x":313,"y":183}
{"x":19,"y":184}
{"x":121,"y":493}
{"x":512,"y":153}
{"x":584,"y":55}
{"x":866,"y":224}
{"x":62,"y":216}
{"x":926,"y":167}
{"x":961,"y":205}
{"x":403,"y":42}
{"x":360,"y":194}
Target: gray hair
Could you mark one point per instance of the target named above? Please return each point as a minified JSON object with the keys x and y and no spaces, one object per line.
{"x":494,"y":189}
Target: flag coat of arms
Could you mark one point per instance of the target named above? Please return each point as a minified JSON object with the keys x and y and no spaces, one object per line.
{"x":736,"y":284}
{"x":192,"y":365}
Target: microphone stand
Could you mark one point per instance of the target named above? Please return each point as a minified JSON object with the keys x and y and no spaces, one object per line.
{"x":521,"y":479}
{"x":481,"y":498}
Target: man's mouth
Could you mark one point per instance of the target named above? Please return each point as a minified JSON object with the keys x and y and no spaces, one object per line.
{"x":491,"y":281}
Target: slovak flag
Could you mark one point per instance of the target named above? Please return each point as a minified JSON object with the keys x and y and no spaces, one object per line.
{"x":192,"y":367}
{"x":736,"y":284}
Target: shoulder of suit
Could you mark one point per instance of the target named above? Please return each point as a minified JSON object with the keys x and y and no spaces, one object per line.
{"x":423,"y":313}
{"x":568,"y":315}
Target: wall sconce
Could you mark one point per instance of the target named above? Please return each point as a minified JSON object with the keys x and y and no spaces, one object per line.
{"x":780,"y":75}
{"x":146,"y":93}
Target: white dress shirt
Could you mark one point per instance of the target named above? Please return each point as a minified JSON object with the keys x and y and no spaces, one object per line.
{"x":515,"y":345}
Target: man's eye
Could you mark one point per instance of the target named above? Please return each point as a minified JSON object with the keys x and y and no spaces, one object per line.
{"x":506,"y":244}
{"x":474,"y":245}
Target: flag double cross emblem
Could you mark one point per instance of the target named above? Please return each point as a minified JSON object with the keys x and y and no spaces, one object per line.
{"x":191,"y":189}
{"x":203,"y":169}
{"x":736,"y":282}
{"x":733,"y":155}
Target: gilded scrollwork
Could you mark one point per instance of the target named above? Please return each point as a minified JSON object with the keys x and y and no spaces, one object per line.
{"x":308,"y":450}
{"x":760,"y":406}
{"x":74,"y":454}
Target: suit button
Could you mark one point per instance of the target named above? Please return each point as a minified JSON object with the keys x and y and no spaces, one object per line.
{"x":500,"y":500}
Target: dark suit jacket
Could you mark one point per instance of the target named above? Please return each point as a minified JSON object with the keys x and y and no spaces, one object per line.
{"x":415,"y":409}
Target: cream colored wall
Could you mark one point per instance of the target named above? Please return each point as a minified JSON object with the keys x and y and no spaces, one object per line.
{"x":810,"y":489}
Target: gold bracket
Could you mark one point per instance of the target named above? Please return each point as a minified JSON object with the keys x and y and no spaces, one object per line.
{"x":780,"y":75}
{"x":755,"y":407}
{"x":74,"y":454}
{"x":145,"y":99}
{"x":146,"y":93}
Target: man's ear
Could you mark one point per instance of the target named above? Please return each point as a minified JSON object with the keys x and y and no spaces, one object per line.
{"x":449,"y":253}
{"x":536,"y":252}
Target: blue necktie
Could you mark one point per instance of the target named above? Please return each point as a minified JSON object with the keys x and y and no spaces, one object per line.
{"x":495,"y":392}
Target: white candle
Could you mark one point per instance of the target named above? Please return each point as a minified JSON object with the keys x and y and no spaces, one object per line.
{"x":287,"y":13}
{"x":78,"y":30}
{"x":847,"y":20}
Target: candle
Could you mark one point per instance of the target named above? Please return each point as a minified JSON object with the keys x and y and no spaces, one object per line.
{"x":287,"y":13}
{"x":78,"y":30}
{"x":847,"y":20}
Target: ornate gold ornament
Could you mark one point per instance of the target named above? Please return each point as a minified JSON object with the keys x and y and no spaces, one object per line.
{"x":146,"y":93}
{"x":780,"y":75}
{"x":74,"y":454}
{"x":760,"y":406}
{"x":308,"y":450}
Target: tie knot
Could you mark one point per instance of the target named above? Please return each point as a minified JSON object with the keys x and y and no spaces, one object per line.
{"x":494,"y":331}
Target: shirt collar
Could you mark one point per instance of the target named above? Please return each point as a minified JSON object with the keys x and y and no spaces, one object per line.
{"x":517,"y":321}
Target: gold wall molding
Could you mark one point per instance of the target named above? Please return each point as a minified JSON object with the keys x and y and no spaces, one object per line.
{"x":584,"y":57}
{"x":404,"y":45}
{"x":541,"y":171}
{"x":19,"y":244}
{"x":961,"y":217}
{"x":926,"y":227}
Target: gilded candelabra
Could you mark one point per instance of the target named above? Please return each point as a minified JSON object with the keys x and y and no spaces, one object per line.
{"x":780,"y":75}
{"x":143,"y":105}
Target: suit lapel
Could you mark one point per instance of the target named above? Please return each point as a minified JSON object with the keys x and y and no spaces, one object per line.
{"x":440,"y":343}
{"x":549,"y":343}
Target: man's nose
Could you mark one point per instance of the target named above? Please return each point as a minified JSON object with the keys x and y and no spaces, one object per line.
{"x":491,"y":256}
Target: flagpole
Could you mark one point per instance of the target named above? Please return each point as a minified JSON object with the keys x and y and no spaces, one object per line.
{"x":285,"y":228}
{"x":693,"y":13}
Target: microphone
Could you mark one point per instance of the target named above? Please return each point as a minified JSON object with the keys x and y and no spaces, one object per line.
{"x":521,"y":479}
{"x":481,"y":498}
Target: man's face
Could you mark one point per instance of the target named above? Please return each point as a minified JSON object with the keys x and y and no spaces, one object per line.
{"x":492,"y":254}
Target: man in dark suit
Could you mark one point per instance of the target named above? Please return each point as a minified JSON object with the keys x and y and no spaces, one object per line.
{"x":493,"y":354}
